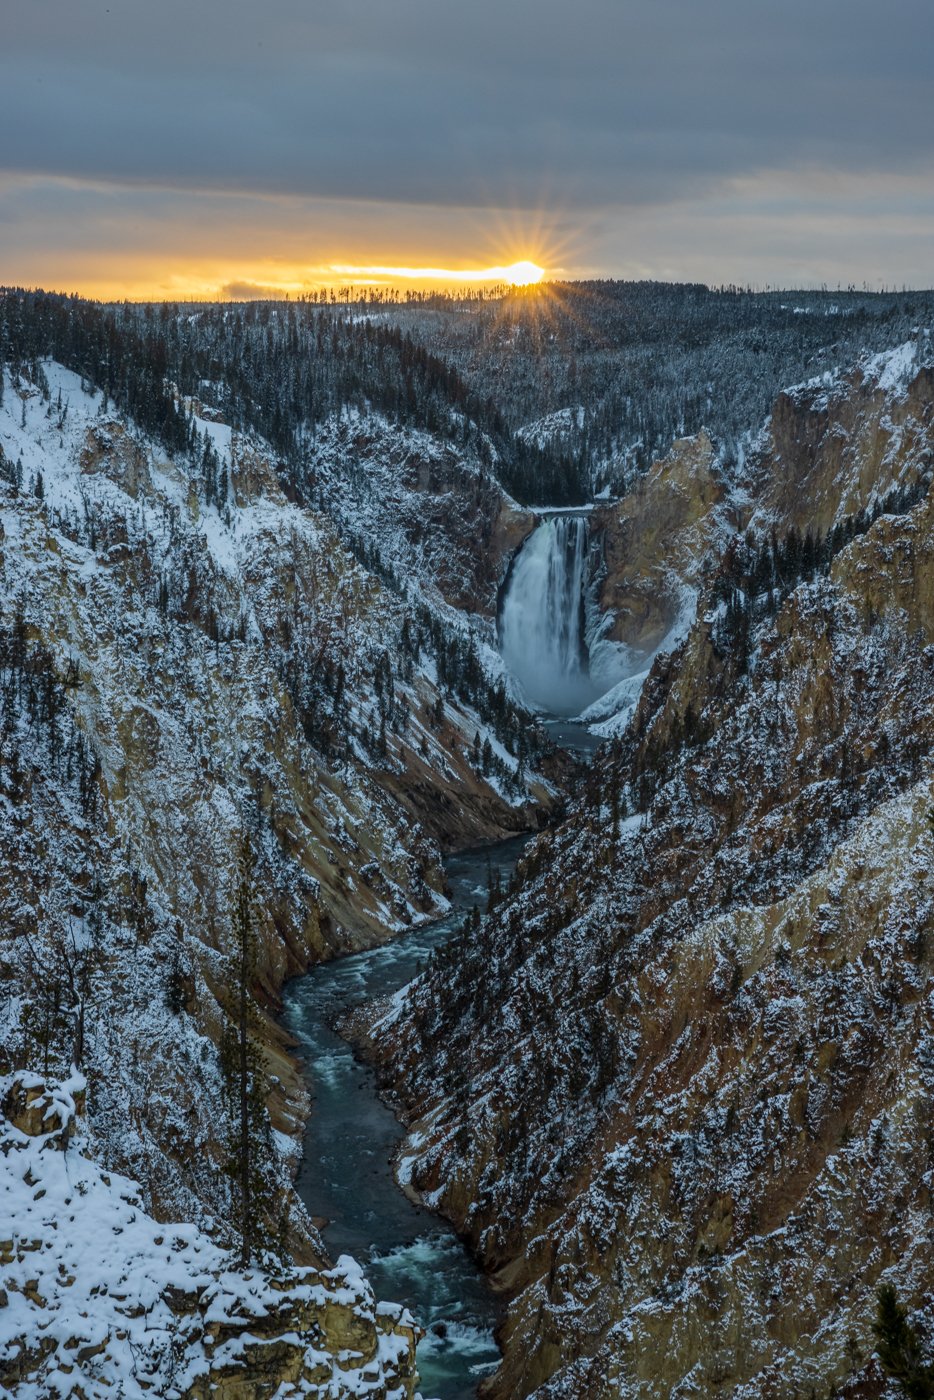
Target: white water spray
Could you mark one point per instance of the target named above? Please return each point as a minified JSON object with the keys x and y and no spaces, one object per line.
{"x":540,"y":626}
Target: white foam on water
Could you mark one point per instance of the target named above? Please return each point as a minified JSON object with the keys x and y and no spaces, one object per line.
{"x":331,"y":1068}
{"x":541,"y":623}
{"x":460,"y":1338}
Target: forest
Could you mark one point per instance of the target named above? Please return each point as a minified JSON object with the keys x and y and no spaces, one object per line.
{"x":561,"y":391}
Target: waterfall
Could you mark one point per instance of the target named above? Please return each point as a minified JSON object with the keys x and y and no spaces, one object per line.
{"x":541,"y":618}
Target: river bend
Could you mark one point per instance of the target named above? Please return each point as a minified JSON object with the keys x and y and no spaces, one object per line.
{"x":409,"y":1255}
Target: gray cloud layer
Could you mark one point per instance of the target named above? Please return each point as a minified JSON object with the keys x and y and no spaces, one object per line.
{"x":520,"y":102}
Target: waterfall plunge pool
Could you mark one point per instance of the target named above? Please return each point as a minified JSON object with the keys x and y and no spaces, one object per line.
{"x":572,"y":735}
{"x":409,"y":1255}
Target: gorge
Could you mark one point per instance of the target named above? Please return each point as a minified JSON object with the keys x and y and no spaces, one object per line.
{"x":282,"y":660}
{"x":347,"y":1175}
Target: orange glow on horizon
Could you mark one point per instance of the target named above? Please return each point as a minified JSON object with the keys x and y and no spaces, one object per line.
{"x":518,"y":274}
{"x":166,"y":280}
{"x":155,"y":245}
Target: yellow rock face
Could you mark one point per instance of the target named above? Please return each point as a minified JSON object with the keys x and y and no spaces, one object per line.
{"x":830,"y":450}
{"x":654,"y":543}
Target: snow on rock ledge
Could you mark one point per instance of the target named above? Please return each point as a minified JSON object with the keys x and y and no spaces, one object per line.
{"x":97,"y":1298}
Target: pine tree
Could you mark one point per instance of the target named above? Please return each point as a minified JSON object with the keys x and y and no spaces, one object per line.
{"x":250,"y":1157}
{"x":614,"y":803}
{"x":898,"y":1347}
{"x":494,"y":893}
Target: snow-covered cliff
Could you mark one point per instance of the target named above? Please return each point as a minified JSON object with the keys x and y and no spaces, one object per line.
{"x":98,"y":1298}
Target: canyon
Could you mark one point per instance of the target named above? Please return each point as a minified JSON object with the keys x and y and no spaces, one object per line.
{"x":673,"y":1081}
{"x":674,"y":1088}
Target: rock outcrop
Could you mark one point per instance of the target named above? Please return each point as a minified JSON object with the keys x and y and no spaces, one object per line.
{"x":657,"y":543}
{"x":832,"y":447}
{"x":435,"y":513}
{"x":835,"y":444}
{"x":99,"y":1298}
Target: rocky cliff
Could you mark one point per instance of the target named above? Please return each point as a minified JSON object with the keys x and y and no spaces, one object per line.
{"x":676,"y":1087}
{"x":836,"y":443}
{"x":189,"y":659}
{"x":437,"y":514}
{"x":656,"y":544}
{"x":832,"y":447}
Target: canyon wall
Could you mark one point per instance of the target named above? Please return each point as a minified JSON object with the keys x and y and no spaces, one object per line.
{"x":676,"y":1088}
{"x":190,"y":659}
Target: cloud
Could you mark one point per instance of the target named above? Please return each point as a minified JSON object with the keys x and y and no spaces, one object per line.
{"x":787,"y":228}
{"x":250,"y":291}
{"x":217,"y":143}
{"x":517,"y":103}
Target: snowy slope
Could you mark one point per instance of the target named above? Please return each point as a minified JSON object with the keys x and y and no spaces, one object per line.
{"x":676,"y":1088}
{"x":185,"y":655}
{"x":101,"y":1299}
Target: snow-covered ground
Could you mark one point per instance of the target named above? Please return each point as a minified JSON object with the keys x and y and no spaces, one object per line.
{"x":99,"y":1299}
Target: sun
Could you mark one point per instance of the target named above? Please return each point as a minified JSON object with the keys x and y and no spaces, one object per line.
{"x":524,"y":274}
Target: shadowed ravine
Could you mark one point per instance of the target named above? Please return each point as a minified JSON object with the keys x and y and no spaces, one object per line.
{"x":410,"y":1256}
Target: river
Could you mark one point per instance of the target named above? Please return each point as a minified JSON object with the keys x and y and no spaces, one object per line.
{"x":409,"y":1255}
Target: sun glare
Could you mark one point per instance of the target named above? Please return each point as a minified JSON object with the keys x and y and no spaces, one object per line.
{"x":518,"y":274}
{"x":276,"y":279}
{"x":524,"y":274}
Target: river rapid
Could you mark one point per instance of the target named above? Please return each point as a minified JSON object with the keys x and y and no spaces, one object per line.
{"x":409,"y":1255}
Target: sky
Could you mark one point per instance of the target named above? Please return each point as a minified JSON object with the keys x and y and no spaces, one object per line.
{"x":224,"y":148}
